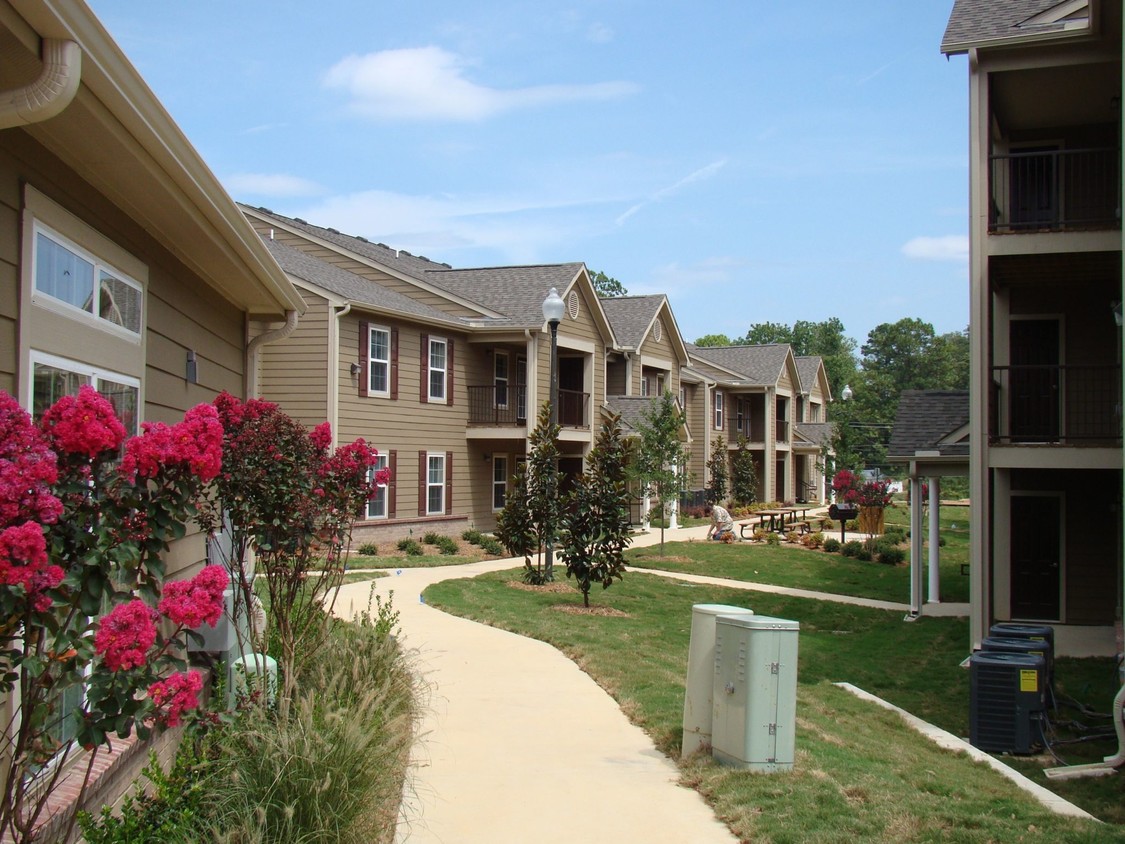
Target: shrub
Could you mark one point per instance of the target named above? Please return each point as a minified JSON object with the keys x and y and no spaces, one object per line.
{"x":759,"y":534}
{"x":892,"y":556}
{"x":793,"y":536}
{"x":815,"y":540}
{"x":773,"y":539}
{"x":941,"y":542}
{"x":832,"y":544}
{"x":472,"y":536}
{"x":853,"y":526}
{"x":410,"y":547}
{"x":368,"y":549}
{"x":694,"y":511}
{"x":852,"y":548}
{"x":894,"y":535}
{"x":864,"y":553}
{"x":491,"y":546}
{"x":447,"y":545}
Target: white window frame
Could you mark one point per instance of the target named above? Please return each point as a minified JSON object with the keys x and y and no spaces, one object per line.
{"x":444,"y":370}
{"x":373,"y":361}
{"x":431,"y":457}
{"x":99,"y":267}
{"x":499,"y":380}
{"x":718,"y":410}
{"x":499,"y":485}
{"x":378,"y":501}
{"x":95,"y":375}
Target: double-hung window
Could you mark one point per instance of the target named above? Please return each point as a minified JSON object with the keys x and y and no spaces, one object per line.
{"x":718,"y":410}
{"x":435,"y":484}
{"x":438,"y":368}
{"x":54,"y":377}
{"x":377,"y":503}
{"x":499,"y":481}
{"x":500,"y":379}
{"x":379,"y":361}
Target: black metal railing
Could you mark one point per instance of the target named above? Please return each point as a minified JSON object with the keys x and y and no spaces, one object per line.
{"x":783,"y":430}
{"x":1061,"y":405}
{"x":753,"y":428}
{"x":498,"y":405}
{"x":1055,"y":190}
{"x":574,"y":409}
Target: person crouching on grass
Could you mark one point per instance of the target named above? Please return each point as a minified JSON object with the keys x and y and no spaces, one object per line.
{"x":722,"y":525}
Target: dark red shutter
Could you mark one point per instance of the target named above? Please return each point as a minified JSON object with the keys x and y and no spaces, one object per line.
{"x":392,"y":465}
{"x":424,"y":377}
{"x":449,"y":372}
{"x":394,"y":363}
{"x":422,"y":483}
{"x":364,"y":357}
{"x":448,"y":482}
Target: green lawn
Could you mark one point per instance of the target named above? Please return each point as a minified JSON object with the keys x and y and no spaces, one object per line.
{"x":797,"y":567}
{"x":860,"y":775}
{"x":423,"y":561}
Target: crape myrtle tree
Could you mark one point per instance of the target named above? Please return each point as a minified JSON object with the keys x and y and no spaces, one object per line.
{"x":717,"y":468}
{"x":596,"y":515}
{"x":292,"y":501}
{"x":743,"y":474}
{"x":659,"y":457}
{"x":521,"y":532}
{"x":90,"y":635}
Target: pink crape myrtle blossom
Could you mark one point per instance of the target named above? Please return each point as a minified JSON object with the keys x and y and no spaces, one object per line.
{"x":321,"y":436}
{"x":84,"y":424}
{"x":197,"y":443}
{"x":193,"y":603}
{"x":23,"y":562}
{"x":125,"y":635}
{"x":27,"y":469}
{"x":177,"y":694}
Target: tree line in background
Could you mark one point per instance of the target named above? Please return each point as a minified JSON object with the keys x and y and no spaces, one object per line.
{"x":898,"y":356}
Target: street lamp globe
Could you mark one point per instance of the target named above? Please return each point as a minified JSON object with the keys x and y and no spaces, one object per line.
{"x":553,"y":307}
{"x":846,"y":394}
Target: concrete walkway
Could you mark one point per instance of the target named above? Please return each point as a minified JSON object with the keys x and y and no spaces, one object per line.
{"x":517,"y":744}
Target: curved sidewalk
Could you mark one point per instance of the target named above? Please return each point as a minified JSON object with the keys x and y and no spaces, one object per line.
{"x":517,"y":744}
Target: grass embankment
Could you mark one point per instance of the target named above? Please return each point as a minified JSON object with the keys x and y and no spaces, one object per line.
{"x":860,"y":773}
{"x":797,"y":567}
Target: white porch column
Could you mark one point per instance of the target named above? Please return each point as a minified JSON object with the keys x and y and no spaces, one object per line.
{"x":915,"y":546}
{"x":935,"y":544}
{"x":646,"y":507}
{"x":674,"y":509}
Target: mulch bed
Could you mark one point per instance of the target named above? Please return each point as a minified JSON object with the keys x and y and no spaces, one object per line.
{"x":556,"y":586}
{"x":578,"y":609}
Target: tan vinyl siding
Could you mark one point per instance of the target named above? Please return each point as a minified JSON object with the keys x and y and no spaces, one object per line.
{"x":615,"y":378}
{"x":294,"y":370}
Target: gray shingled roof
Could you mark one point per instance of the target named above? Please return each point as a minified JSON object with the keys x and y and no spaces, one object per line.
{"x":758,"y":365}
{"x":516,"y":292}
{"x":817,"y":433}
{"x":924,"y":419}
{"x":807,"y":368}
{"x":399,"y":260}
{"x":976,"y":22}
{"x":631,"y":409}
{"x":631,"y":316}
{"x":349,"y":285}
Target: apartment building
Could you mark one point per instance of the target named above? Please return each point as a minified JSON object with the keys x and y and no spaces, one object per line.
{"x":1045,"y":83}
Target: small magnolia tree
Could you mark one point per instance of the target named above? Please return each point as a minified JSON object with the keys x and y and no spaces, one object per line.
{"x":743,"y":474}
{"x":596,"y":515}
{"x":660,"y":457}
{"x":530,"y":518}
{"x":85,"y":517}
{"x":717,"y":468}
{"x":514,"y":527}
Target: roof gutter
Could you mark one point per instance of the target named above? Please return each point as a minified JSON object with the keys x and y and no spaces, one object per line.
{"x":51,"y":93}
{"x":259,"y":341}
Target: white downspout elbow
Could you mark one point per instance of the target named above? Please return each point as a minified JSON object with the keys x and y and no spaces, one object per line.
{"x":259,"y":341}
{"x":48,"y":95}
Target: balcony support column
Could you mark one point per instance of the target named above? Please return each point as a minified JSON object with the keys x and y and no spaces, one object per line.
{"x":935,"y":541}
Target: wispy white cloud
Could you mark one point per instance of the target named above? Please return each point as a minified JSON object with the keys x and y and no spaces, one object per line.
{"x":429,"y":83}
{"x":271,"y":184}
{"x":699,"y":175}
{"x":952,"y":247}
{"x":599,"y":33}
{"x":676,"y":278}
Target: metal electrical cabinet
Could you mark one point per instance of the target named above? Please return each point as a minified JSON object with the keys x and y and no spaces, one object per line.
{"x":698,"y":704}
{"x":755,"y":692}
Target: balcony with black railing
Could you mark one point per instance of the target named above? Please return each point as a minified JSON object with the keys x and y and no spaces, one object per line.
{"x":574,"y":409}
{"x":1056,"y":405}
{"x":498,"y":406}
{"x":1055,"y":190}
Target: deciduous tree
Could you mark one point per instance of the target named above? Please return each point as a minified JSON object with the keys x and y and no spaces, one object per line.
{"x":660,"y":456}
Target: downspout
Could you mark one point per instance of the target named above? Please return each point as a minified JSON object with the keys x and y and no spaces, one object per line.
{"x":51,"y":93}
{"x":259,"y":341}
{"x":332,"y":393}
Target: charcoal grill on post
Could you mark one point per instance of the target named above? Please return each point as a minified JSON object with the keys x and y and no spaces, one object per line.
{"x":845,"y":513}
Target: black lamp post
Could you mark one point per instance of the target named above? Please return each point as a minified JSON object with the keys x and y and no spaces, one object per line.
{"x":553,"y":307}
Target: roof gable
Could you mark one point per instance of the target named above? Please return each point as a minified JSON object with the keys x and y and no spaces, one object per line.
{"x":931,"y":421}
{"x":976,"y":23}
{"x":756,"y":366}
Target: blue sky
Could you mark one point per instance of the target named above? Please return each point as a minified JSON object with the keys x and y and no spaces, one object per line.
{"x":755,"y":161}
